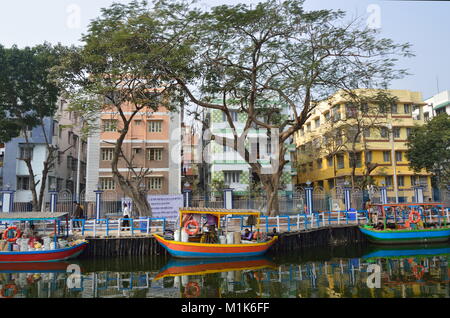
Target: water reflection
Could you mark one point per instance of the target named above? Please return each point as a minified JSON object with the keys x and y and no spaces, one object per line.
{"x":405,"y":271}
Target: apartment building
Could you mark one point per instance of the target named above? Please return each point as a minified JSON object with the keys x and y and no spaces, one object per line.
{"x":228,"y":166}
{"x":68,"y":172}
{"x":152,"y":142}
{"x":436,"y":105}
{"x":323,"y":155}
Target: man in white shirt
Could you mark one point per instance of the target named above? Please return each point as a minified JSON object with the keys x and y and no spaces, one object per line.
{"x":126,"y":215}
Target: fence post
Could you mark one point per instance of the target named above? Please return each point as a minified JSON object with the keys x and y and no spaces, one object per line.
{"x":278,"y":223}
{"x":309,"y":198}
{"x":132,"y":225}
{"x":98,"y":203}
{"x":383,"y":194}
{"x":298,"y":222}
{"x":228,"y":198}
{"x":289,"y":223}
{"x":82,"y":228}
{"x":347,"y":198}
{"x":118,"y":226}
{"x":95,"y":227}
{"x":267,"y":223}
{"x":148,"y":225}
{"x":53,"y":200}
{"x":107,"y":227}
{"x":187,"y":197}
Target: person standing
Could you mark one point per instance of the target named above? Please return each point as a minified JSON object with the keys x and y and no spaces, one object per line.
{"x":126,"y":214}
{"x":78,"y":214}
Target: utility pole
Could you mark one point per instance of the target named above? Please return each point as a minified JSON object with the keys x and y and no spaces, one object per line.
{"x":393,"y":159}
{"x":77,"y":195}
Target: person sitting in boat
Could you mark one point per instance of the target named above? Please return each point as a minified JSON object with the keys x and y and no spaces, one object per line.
{"x":274,"y":232}
{"x":379,"y":226}
{"x":248,"y":235}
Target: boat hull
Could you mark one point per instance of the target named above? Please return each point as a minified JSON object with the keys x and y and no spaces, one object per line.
{"x":181,"y":267}
{"x":406,"y":236}
{"x":201,"y":250}
{"x":43,"y":256}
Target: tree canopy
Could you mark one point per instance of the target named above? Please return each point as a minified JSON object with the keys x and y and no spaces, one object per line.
{"x":27,"y":93}
{"x":429,"y":148}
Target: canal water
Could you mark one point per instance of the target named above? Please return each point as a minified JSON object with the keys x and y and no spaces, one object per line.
{"x":350,"y":271}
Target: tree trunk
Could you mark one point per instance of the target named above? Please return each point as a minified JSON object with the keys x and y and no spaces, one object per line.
{"x":270,"y":184}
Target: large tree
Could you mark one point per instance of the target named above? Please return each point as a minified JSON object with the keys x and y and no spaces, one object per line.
{"x":28,"y":98}
{"x":261,"y":59}
{"x":429,"y":148}
{"x":121,"y":69}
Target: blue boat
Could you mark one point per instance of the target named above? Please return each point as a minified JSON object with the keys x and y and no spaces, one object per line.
{"x":408,"y":231}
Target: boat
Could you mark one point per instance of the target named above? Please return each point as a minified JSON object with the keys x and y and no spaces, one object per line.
{"x":408,"y":231}
{"x":41,"y":254}
{"x":184,"y":267}
{"x":195,"y":247}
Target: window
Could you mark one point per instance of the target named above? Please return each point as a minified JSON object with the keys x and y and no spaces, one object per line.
{"x":232,"y":176}
{"x":327,"y":115}
{"x":401,"y":181}
{"x":355,"y":159}
{"x":23,"y":183}
{"x":330,"y":161}
{"x":154,"y":154}
{"x":386,"y":156}
{"x":155,"y":126}
{"x":398,"y":156}
{"x":137,"y":151}
{"x":369,"y":156}
{"x":69,"y":162}
{"x":107,"y":154}
{"x":317,"y":123}
{"x":59,"y":158}
{"x":155,"y":183}
{"x":233,"y":114}
{"x":340,"y":161}
{"x":426,"y":116}
{"x":55,"y":128}
{"x":26,"y":152}
{"x":351,"y":111}
{"x":308,"y":127}
{"x":388,"y":181}
{"x":366,"y":132}
{"x":408,"y":132}
{"x":137,"y":122}
{"x":394,"y":109}
{"x":109,"y":125}
{"x":384,"y":132}
{"x":440,"y":111}
{"x":319,"y":163}
{"x":382,"y":108}
{"x":107,"y":184}
{"x":407,"y":108}
{"x":365,"y":108}
{"x":396,"y":131}
{"x":336,"y":113}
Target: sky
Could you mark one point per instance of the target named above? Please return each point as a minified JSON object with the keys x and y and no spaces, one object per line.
{"x":424,"y":24}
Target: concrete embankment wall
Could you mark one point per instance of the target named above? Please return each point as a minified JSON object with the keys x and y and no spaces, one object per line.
{"x":287,"y":242}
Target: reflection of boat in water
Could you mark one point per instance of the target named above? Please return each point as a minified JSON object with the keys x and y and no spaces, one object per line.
{"x":402,"y":251}
{"x":408,"y":231}
{"x":198,"y":247}
{"x":177,"y":267}
{"x":44,"y":267}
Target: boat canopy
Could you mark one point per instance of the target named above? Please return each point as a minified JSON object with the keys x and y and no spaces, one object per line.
{"x":220,"y":212}
{"x":32,"y":216}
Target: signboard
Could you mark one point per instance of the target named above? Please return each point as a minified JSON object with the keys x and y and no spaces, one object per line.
{"x":165,"y":206}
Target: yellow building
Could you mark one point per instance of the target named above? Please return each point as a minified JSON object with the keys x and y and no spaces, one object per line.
{"x":365,"y":133}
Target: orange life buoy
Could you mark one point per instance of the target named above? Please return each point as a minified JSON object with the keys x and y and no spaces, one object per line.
{"x":194,"y":287}
{"x":407,"y":224}
{"x":413,"y":219}
{"x":418,"y":273}
{"x":188,"y":230}
{"x":13,"y":239}
{"x":8,"y":287}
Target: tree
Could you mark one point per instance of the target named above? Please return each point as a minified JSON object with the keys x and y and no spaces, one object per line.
{"x":28,"y":98}
{"x":121,"y":68}
{"x":429,"y":148}
{"x":272,"y":56}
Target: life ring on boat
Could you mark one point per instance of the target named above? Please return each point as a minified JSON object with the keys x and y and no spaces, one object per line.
{"x":13,"y":239}
{"x":418,"y":273}
{"x":407,"y":224}
{"x":8,"y":287}
{"x":193,"y":231}
{"x":194,"y":287}
{"x":415,"y":219}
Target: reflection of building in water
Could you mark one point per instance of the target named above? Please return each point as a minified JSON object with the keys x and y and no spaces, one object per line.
{"x":403,"y":277}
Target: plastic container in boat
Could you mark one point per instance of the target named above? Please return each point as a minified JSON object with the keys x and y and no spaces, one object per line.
{"x":184,"y":236}
{"x":230,"y":237}
{"x":177,"y":235}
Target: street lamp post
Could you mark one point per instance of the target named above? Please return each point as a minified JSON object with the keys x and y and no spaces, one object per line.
{"x":393,"y":158}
